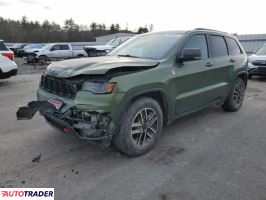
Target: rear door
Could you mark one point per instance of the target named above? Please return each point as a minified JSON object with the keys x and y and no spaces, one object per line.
{"x":236,"y":55}
{"x":65,"y":51}
{"x":223,"y":65}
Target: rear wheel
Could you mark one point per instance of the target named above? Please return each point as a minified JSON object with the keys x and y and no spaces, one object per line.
{"x":236,"y":96}
{"x":141,"y":127}
{"x":249,"y":76}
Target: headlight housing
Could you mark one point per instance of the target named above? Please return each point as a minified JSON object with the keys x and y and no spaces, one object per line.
{"x":98,"y":87}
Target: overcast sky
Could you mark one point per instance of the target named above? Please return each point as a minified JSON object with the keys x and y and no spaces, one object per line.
{"x":233,"y":16}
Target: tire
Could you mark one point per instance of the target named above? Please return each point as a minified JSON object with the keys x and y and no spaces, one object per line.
{"x":249,"y":76}
{"x":137,"y":136}
{"x":101,"y":53}
{"x":80,"y":56}
{"x":44,"y":60}
{"x":236,"y":96}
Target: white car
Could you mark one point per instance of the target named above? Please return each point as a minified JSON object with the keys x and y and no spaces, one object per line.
{"x":102,"y":50}
{"x":7,"y":65}
{"x":58,"y":51}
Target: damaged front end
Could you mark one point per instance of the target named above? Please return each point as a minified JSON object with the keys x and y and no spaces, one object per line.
{"x":82,"y":96}
{"x":90,"y":126}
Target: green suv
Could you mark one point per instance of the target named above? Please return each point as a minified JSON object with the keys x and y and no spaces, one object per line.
{"x":125,"y":97}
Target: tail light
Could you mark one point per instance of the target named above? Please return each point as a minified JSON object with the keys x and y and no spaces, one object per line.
{"x":9,"y":55}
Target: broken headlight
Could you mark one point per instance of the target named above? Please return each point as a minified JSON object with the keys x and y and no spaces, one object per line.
{"x":98,"y":87}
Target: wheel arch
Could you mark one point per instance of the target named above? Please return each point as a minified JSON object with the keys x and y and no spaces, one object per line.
{"x":157,"y":94}
{"x":244,"y":77}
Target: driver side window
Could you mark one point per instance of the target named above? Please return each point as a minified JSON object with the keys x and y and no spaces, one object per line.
{"x":199,"y":42}
{"x":55,"y":48}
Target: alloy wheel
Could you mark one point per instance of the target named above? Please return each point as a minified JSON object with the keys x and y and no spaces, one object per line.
{"x":238,"y":95}
{"x":144,"y":127}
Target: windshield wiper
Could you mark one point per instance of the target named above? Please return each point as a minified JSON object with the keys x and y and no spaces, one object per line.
{"x":127,"y":55}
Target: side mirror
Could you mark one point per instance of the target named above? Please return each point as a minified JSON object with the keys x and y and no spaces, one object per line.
{"x":52,"y":49}
{"x":189,"y":54}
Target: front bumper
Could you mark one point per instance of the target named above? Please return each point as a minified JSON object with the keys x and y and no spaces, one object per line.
{"x":98,"y":129}
{"x":91,"y":135}
{"x":257,"y":70}
{"x":260,"y":71}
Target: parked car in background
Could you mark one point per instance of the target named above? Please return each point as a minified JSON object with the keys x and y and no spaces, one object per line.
{"x":59,"y":51}
{"x":33,"y":49}
{"x":102,"y":50}
{"x":257,"y":63}
{"x":30,"y":48}
{"x":151,"y":80}
{"x":7,"y":65}
{"x":16,"y":47}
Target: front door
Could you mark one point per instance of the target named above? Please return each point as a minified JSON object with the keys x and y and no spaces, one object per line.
{"x":195,"y":83}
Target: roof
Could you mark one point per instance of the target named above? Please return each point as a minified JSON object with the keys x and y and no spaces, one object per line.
{"x":118,"y":35}
{"x":207,"y":29}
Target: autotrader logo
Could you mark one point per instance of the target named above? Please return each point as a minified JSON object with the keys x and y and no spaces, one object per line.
{"x":27,"y":193}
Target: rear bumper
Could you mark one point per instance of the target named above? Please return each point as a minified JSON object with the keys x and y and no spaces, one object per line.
{"x":8,"y":74}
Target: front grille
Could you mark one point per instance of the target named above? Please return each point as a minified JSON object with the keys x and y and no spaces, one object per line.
{"x":259,"y":62}
{"x":61,"y":87}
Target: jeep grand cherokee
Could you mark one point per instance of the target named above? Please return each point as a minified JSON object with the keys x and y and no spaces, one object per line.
{"x":151,"y":80}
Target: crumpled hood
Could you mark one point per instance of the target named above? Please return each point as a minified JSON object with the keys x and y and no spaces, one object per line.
{"x":96,"y":65}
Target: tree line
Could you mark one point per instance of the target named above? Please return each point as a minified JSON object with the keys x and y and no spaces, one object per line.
{"x":26,"y":31}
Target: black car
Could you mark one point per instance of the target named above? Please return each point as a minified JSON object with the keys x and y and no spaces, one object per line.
{"x":16,"y":47}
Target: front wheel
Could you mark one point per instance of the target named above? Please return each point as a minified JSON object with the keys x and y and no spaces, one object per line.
{"x":140,"y":128}
{"x":236,"y":96}
{"x":44,"y":60}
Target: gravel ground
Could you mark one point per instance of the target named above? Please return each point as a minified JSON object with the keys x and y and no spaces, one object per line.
{"x":24,"y":68}
{"x":208,"y":155}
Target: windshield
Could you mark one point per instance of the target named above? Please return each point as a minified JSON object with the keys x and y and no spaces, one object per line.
{"x":17,"y":45}
{"x":152,"y":46}
{"x":113,"y":42}
{"x":27,"y":46}
{"x":31,"y":46}
{"x":47,"y":47}
{"x":261,"y":51}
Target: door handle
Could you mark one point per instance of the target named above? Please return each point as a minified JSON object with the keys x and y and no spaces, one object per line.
{"x":209,"y":64}
{"x":232,"y":60}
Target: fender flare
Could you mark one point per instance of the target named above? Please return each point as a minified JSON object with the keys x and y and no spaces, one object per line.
{"x":138,"y":94}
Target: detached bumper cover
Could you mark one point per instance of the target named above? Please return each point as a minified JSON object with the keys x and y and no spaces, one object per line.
{"x":63,"y":122}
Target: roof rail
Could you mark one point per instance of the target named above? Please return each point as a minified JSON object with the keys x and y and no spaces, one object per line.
{"x":207,"y":29}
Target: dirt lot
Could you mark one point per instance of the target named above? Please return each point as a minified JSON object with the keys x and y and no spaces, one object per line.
{"x":208,"y":155}
{"x":24,"y":68}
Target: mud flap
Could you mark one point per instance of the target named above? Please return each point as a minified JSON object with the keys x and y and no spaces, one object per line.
{"x":27,"y":112}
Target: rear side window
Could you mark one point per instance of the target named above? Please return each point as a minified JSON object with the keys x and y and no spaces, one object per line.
{"x":233,"y":47}
{"x":199,"y":42}
{"x":64,"y":47}
{"x":3,"y":47}
{"x":219,"y":47}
